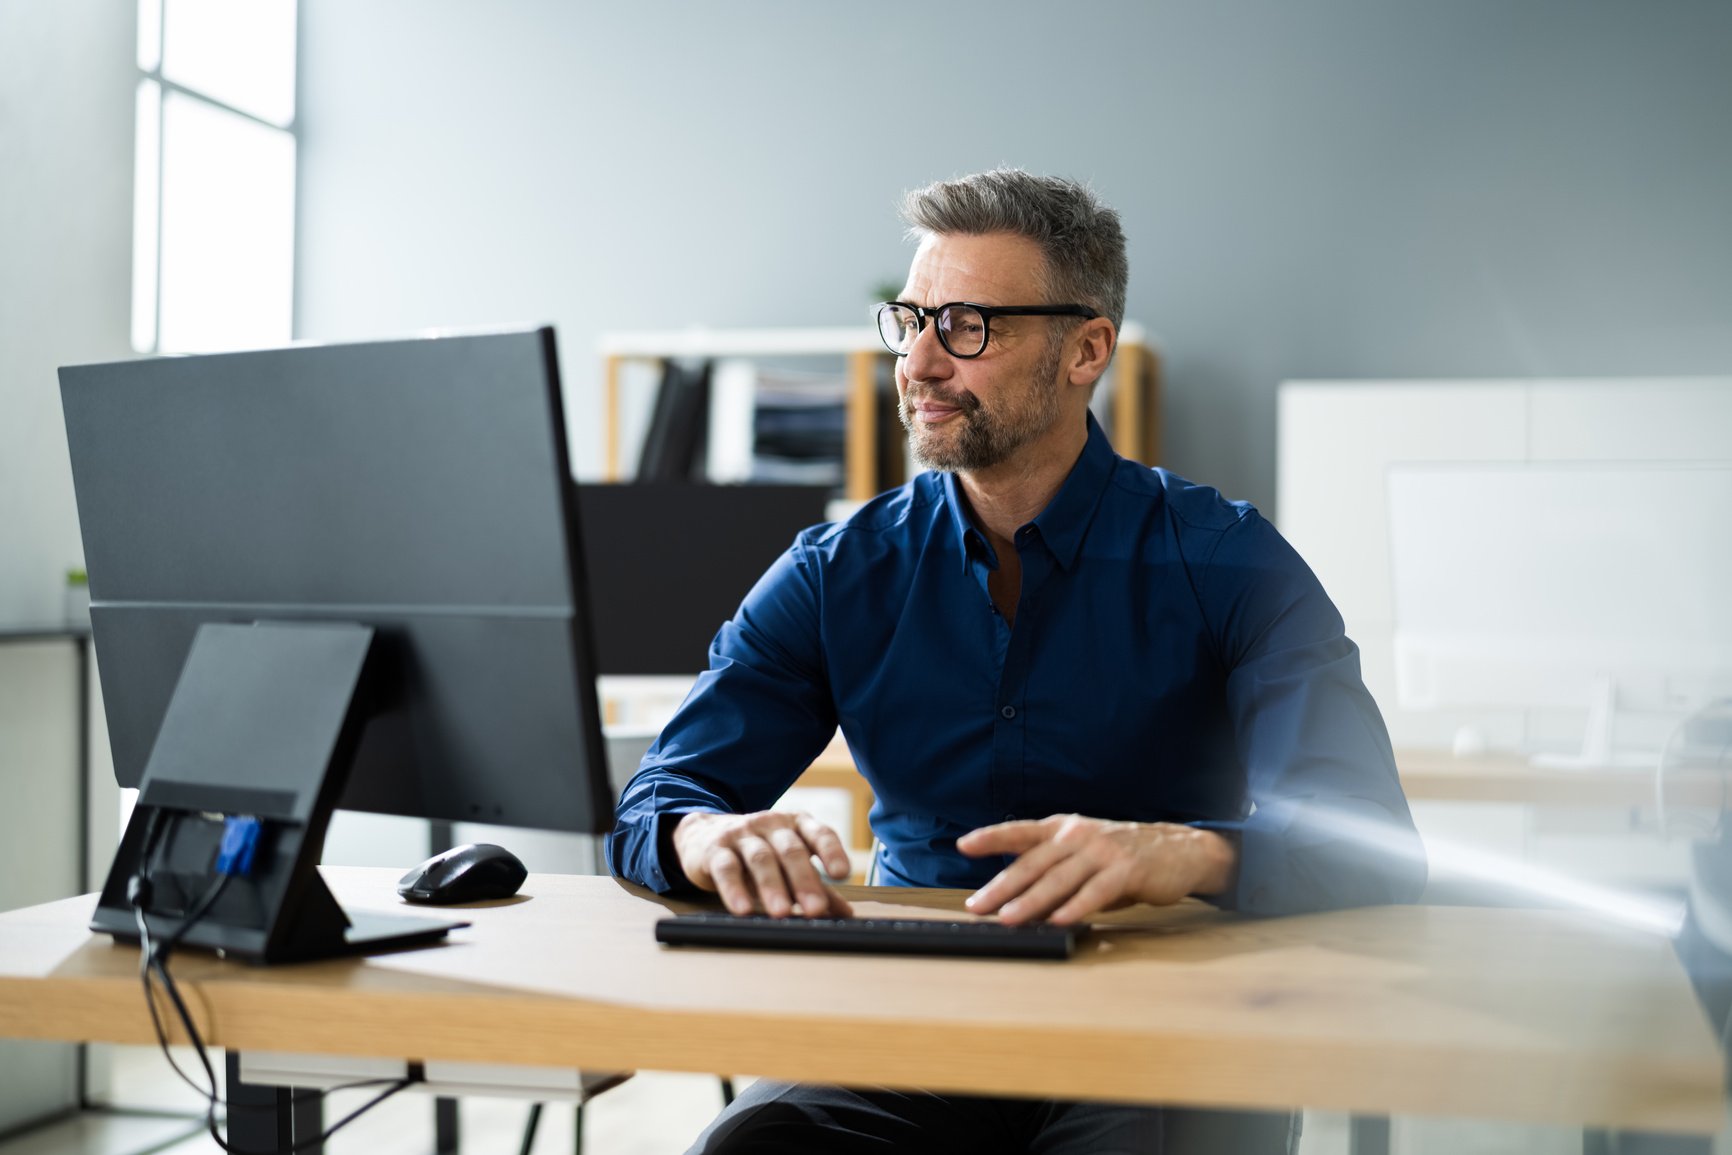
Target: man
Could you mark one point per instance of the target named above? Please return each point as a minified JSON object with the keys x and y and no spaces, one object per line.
{"x":1074,"y":682}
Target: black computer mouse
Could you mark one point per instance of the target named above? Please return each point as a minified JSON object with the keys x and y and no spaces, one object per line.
{"x":474,"y":872}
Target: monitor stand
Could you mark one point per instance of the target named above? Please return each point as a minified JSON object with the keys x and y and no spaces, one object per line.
{"x":264,"y":723}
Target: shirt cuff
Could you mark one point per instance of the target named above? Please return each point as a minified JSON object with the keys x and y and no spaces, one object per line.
{"x":669,"y":875}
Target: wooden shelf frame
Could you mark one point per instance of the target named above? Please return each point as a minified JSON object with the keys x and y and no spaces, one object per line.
{"x":1134,"y":380}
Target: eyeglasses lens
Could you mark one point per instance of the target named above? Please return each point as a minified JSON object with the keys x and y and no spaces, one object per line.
{"x":898,"y":326}
{"x":963,"y":329}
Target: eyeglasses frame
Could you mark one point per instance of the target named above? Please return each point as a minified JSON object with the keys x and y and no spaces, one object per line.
{"x":987,"y":313}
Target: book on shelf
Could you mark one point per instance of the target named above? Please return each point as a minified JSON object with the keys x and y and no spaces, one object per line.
{"x":673,"y":445}
{"x":777,"y":425}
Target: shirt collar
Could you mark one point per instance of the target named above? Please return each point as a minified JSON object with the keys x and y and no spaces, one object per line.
{"x":967,"y":536}
{"x":1064,"y":522}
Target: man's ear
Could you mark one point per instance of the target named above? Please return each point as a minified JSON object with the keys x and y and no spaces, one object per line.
{"x":1092,"y":347}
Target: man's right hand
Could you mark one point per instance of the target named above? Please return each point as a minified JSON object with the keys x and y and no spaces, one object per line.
{"x":763,"y":861}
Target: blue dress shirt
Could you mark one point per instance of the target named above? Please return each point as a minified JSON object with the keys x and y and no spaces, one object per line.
{"x":1172,"y":659}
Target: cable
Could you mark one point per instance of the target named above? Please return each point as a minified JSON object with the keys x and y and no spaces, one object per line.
{"x":157,"y":961}
{"x":153,"y":959}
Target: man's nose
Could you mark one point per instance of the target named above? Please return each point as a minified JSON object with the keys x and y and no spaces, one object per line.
{"x":927,"y":357}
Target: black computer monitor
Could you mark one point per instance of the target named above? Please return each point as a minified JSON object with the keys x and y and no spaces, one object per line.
{"x":671,"y":562}
{"x":331,"y":576}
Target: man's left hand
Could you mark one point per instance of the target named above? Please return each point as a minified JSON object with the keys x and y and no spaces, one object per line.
{"x":1069,"y":867}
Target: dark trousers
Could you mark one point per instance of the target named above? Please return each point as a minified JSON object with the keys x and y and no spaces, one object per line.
{"x":771,"y":1118}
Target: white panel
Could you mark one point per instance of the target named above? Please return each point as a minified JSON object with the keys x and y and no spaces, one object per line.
{"x":1665,"y":419}
{"x":560,"y":1084}
{"x":1337,"y":439}
{"x":286,"y":1069}
{"x":1334,"y":442}
{"x":1517,"y":586}
{"x":1434,"y":729}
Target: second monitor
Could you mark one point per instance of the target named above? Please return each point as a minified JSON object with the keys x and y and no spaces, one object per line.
{"x":668,"y":563}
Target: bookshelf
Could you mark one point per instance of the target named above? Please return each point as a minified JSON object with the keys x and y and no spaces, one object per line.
{"x":1133,"y":386}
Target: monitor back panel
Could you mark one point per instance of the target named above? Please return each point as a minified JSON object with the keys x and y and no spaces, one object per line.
{"x":415,"y":486}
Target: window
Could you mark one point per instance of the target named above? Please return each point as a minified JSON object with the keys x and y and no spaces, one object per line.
{"x":214,"y":194}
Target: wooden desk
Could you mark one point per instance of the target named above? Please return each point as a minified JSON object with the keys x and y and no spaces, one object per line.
{"x":1530,"y":1015}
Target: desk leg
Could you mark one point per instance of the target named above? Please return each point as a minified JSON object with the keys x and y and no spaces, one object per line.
{"x":445,"y":1131}
{"x":309,"y":1116}
{"x":259,"y":1118}
{"x":1368,"y":1135}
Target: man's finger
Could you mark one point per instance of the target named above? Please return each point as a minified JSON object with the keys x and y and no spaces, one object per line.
{"x":1016,"y":878}
{"x":803,"y":881}
{"x":826,"y":844}
{"x":839,"y":906}
{"x":766,"y":872}
{"x":1065,"y":879}
{"x":728,"y":875}
{"x":1097,"y":894}
{"x":1002,"y":838}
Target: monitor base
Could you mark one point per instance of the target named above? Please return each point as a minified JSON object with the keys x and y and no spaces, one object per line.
{"x":368,"y":932}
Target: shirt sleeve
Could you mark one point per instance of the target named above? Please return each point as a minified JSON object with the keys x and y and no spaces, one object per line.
{"x":754,"y":720}
{"x":1328,"y":825}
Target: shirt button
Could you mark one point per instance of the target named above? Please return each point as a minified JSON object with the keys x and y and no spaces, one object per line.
{"x":1009,"y":711}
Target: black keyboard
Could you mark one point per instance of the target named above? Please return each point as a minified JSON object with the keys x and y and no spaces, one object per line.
{"x":870,"y":935}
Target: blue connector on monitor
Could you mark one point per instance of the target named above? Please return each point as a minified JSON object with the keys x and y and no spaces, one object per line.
{"x":240,"y":840}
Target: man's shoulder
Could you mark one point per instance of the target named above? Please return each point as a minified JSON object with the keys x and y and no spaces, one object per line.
{"x":891,"y":518}
{"x":1190,"y":505}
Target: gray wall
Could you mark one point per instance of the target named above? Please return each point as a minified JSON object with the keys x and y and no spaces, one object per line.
{"x":1333,"y":188}
{"x":67,"y":75}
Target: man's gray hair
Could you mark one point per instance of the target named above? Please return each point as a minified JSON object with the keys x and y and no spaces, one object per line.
{"x":1078,"y":233}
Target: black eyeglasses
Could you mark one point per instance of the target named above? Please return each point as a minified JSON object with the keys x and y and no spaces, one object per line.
{"x":963,"y":326}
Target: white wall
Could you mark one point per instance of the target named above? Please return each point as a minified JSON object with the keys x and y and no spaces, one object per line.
{"x":1338,"y":188}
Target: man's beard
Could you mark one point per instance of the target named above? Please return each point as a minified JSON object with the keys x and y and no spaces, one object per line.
{"x":986,"y":438}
